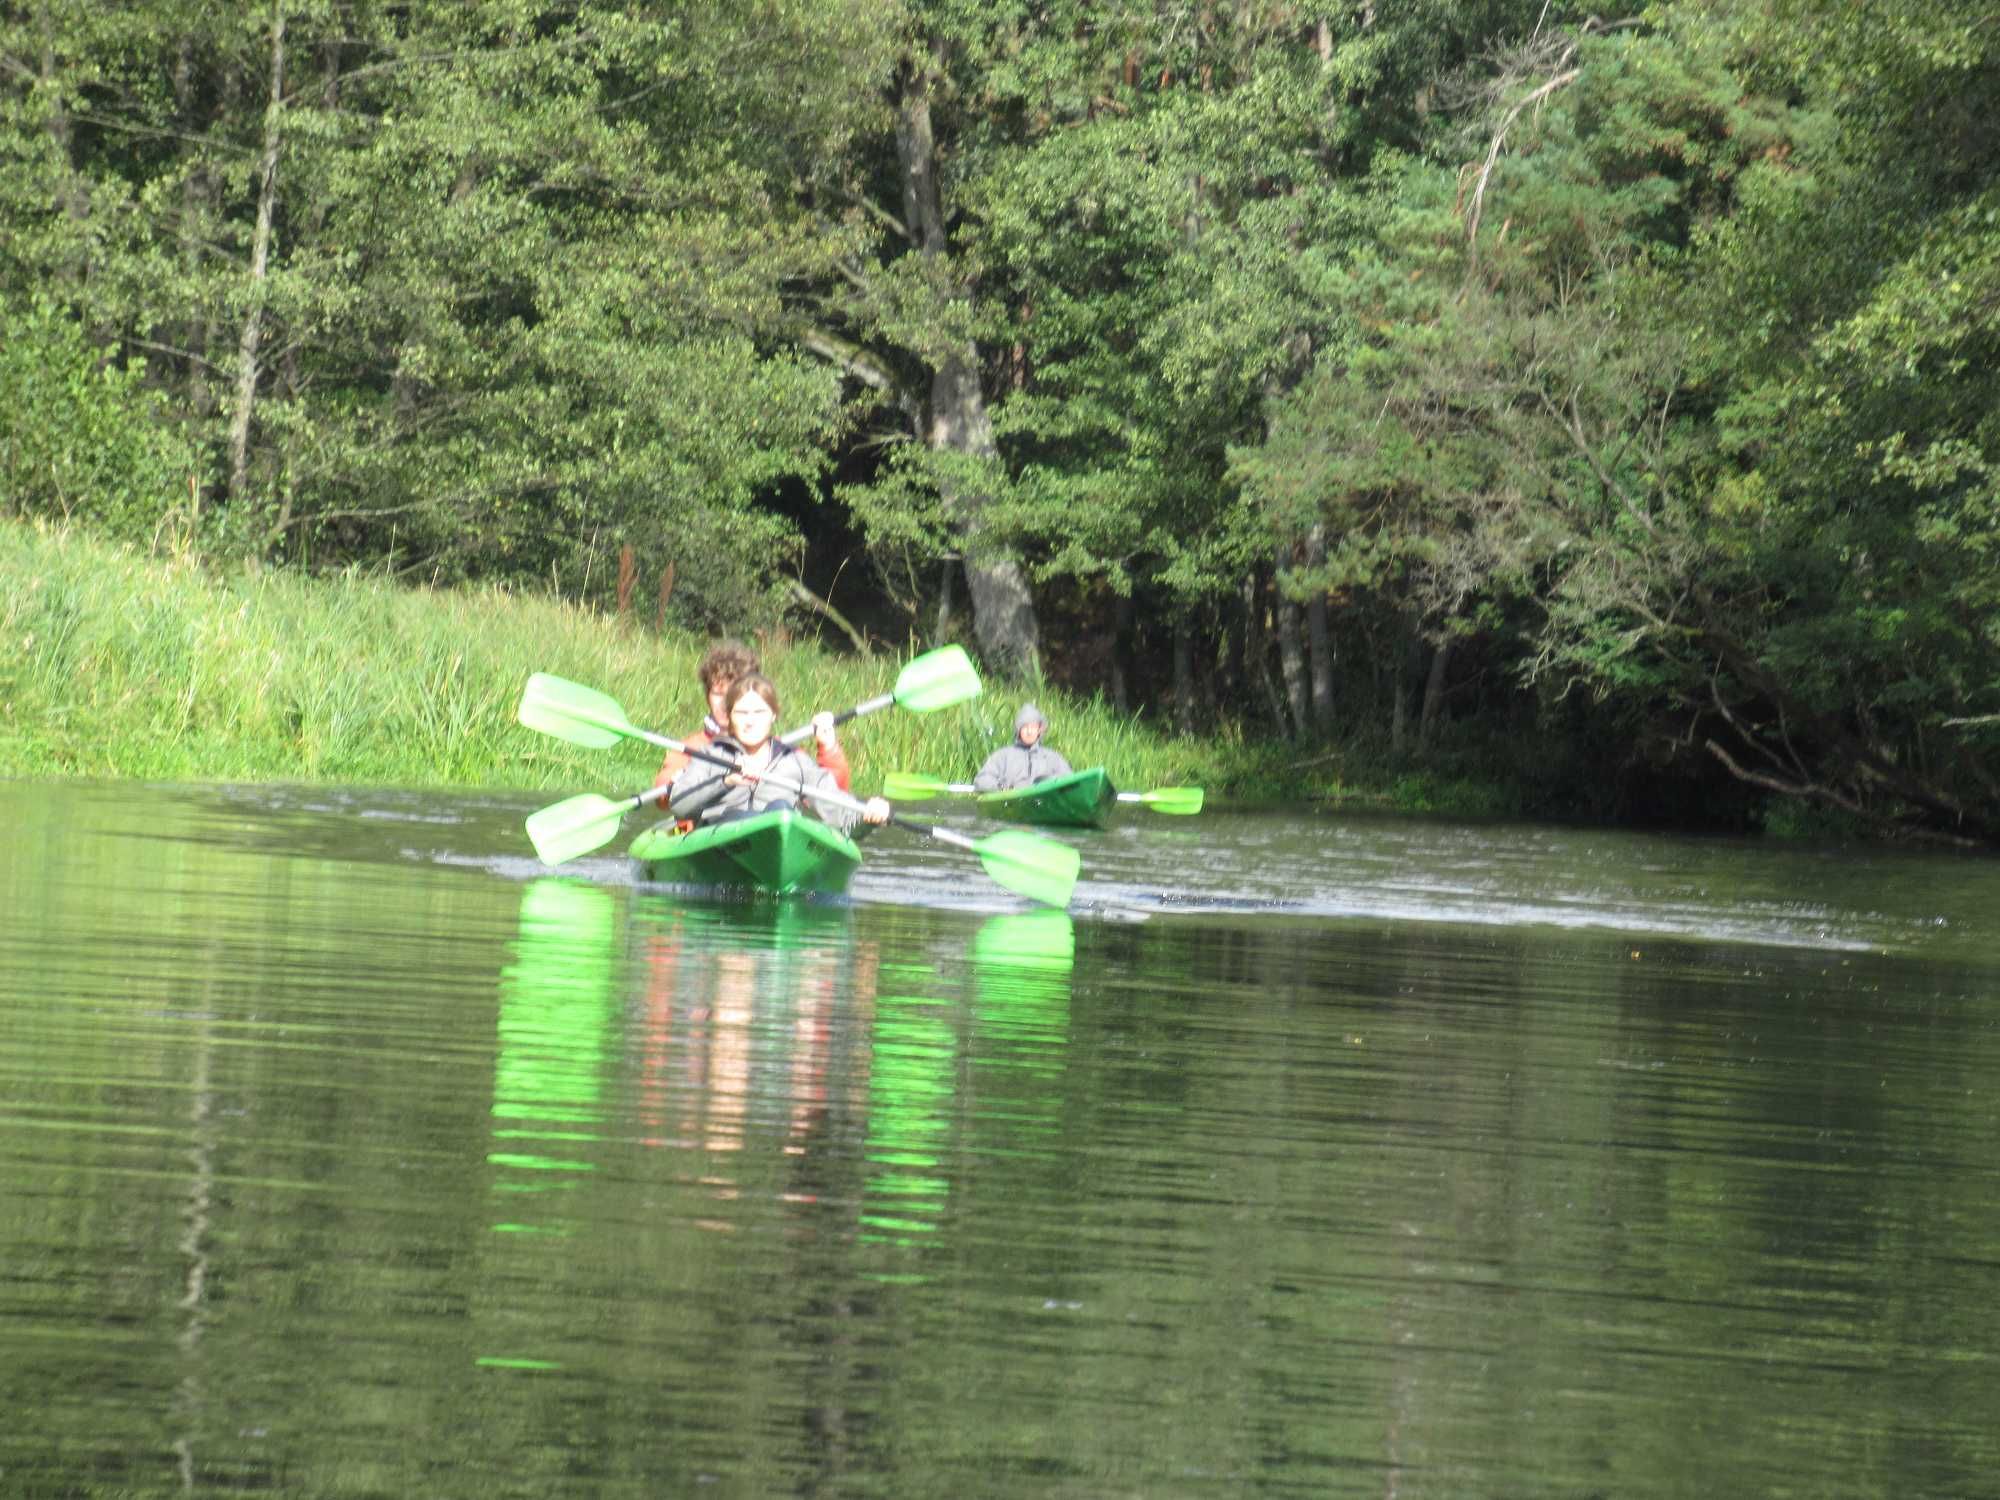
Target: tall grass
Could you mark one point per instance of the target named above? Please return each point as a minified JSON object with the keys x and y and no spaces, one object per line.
{"x":117,"y":664}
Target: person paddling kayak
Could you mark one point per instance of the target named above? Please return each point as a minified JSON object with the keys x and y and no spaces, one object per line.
{"x":768,"y":775}
{"x":719,"y":669}
{"x":1024,"y":762}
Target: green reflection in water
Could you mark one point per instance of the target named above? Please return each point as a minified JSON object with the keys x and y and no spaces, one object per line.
{"x":1019,"y":967}
{"x":1029,"y":940}
{"x":556,"y":1001}
{"x":910,"y":1086}
{"x":1021,"y":979}
{"x":795,"y":932}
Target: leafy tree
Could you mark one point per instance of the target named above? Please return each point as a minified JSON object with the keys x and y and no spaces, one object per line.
{"x":1140,"y":212}
{"x":1851,"y":320}
{"x":1630,"y":369}
{"x":493,"y":289}
{"x":83,"y":439}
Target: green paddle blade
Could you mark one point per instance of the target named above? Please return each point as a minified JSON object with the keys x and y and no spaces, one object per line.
{"x":937,"y":679}
{"x":566,"y":829}
{"x":570,"y":711}
{"x":912,"y":786}
{"x":1029,"y":865}
{"x":1178,"y":800}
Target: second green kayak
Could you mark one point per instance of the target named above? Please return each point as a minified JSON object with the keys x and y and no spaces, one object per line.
{"x":1082,"y":799}
{"x":782,"y":852}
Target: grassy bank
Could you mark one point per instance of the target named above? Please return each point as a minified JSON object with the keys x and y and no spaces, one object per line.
{"x":115,"y":664}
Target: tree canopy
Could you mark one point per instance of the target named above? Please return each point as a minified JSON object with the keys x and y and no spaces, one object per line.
{"x":1448,"y":369}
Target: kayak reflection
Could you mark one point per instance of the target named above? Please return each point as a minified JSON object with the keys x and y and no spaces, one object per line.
{"x":745,"y":1006}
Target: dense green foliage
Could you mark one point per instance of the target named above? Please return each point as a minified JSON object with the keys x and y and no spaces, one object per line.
{"x":84,"y":440}
{"x":1460,"y":373}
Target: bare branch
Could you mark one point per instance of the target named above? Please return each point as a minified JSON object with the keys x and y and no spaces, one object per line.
{"x":882,"y":215}
{"x":1500,"y":139}
{"x":850,"y":357}
{"x":1563,"y":51}
{"x":1813,"y":791}
{"x":821,"y":607}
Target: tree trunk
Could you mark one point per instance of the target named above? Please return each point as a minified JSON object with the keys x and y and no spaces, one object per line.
{"x":1409,"y":661}
{"x":1003,"y":605}
{"x":260,"y":260}
{"x":1183,"y":677}
{"x":1319,"y":640}
{"x":197,"y":197}
{"x":1121,"y":648}
{"x":291,"y":382}
{"x":1291,"y":650}
{"x":1255,"y":669}
{"x":74,"y":194}
{"x":1434,"y":686}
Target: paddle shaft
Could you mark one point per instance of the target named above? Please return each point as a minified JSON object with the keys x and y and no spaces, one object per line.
{"x":619,"y":725}
{"x":635,"y":802}
{"x":796,"y":737}
{"x":854,"y":804}
{"x":937,"y":679}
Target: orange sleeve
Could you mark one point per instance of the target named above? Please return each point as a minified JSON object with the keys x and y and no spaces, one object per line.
{"x":677,"y":761}
{"x":833,"y":761}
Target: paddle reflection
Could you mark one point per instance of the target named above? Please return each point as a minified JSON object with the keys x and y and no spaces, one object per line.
{"x":556,"y":1006}
{"x":910,"y":1091}
{"x":1003,"y":1089}
{"x":1021,"y":984}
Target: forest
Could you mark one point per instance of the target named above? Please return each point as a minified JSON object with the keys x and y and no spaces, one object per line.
{"x":1616,"y":391}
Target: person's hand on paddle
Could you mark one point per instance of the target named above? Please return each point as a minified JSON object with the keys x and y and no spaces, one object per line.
{"x":876,"y":810}
{"x":824,"y":732}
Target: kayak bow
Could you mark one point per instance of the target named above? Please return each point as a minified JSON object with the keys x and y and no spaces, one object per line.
{"x":782,"y":852}
{"x":1082,"y":799}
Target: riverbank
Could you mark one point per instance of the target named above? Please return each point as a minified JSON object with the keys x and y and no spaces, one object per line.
{"x":118,"y":664}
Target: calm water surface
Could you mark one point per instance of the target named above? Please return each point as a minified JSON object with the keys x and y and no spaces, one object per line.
{"x":346,"y":1152}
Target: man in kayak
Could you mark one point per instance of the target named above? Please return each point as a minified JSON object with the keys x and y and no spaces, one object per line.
{"x":719,"y":669}
{"x":1024,"y":762}
{"x":768,"y":774}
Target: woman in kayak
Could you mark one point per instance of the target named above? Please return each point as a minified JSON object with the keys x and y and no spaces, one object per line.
{"x":768,"y":775}
{"x":718,"y":672}
{"x":1024,"y":762}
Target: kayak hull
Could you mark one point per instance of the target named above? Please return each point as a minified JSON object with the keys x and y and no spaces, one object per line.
{"x":1082,"y":799}
{"x":782,"y":853}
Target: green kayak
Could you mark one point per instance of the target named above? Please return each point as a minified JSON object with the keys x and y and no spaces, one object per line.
{"x":1082,"y":799}
{"x":782,"y":852}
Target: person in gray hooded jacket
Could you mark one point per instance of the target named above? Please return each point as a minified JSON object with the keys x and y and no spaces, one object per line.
{"x":1024,"y":762}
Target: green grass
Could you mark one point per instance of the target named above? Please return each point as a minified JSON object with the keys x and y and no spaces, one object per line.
{"x":114,"y":663}
{"x":117,"y":664}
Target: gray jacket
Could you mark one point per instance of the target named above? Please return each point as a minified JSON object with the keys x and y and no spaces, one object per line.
{"x":698,"y":791}
{"x":1019,"y":765}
